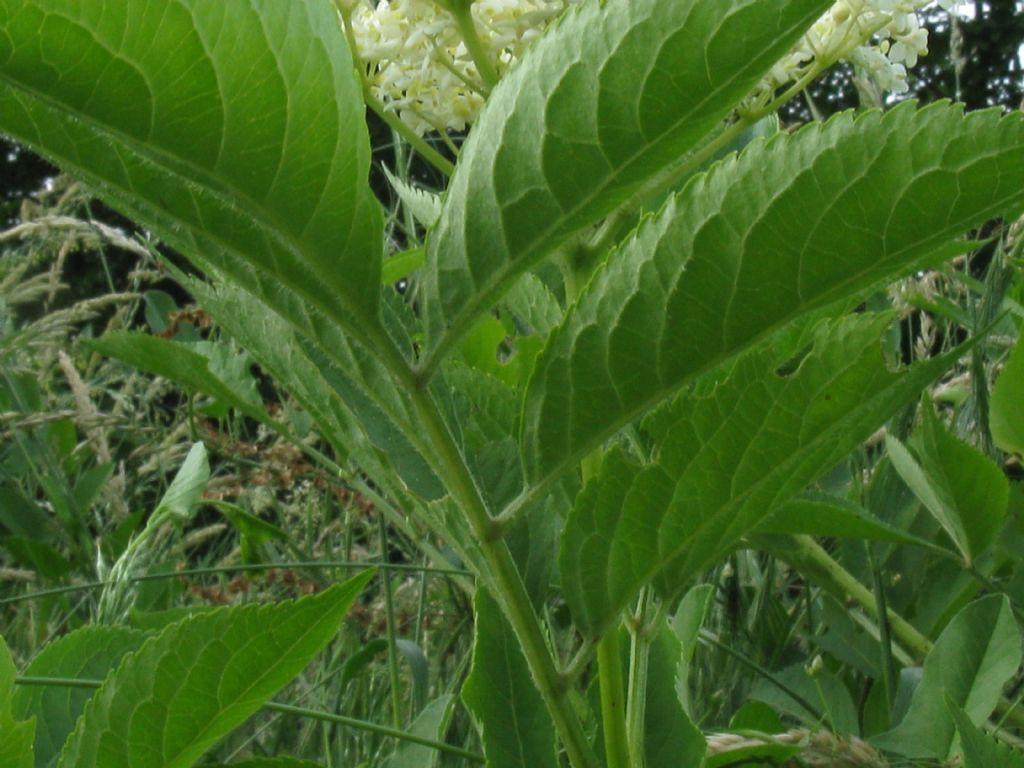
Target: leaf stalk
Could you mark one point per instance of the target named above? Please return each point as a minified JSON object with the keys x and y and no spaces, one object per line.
{"x":505,"y":581}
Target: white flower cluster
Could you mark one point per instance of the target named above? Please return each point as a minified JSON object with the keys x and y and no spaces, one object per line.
{"x":881,"y":37}
{"x":419,"y":65}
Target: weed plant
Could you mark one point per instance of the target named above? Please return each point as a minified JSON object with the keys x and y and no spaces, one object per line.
{"x":462,"y":479}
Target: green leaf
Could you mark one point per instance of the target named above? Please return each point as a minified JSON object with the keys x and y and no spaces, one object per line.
{"x":350,"y":395}
{"x":962,"y":488}
{"x":89,"y":653}
{"x":978,"y":748}
{"x":969,"y":664}
{"x":253,"y":531}
{"x":15,"y":736}
{"x":793,"y":224}
{"x":431,"y":723}
{"x":234,"y":130}
{"x":419,"y":669}
{"x":189,"y":365}
{"x":831,"y":701}
{"x":757,"y":754}
{"x":822,"y":515}
{"x":533,"y":544}
{"x":387,"y":421}
{"x":270,"y":762}
{"x":425,"y":206}
{"x":756,"y":716}
{"x":532,"y":302}
{"x":186,"y":688}
{"x":671,"y":737}
{"x":402,"y":265}
{"x":686,"y":624}
{"x":186,"y":489}
{"x":516,"y":728}
{"x":479,"y":350}
{"x":274,"y":346}
{"x":724,"y":462}
{"x":152,"y":621}
{"x":159,"y":306}
{"x":1005,"y":416}
{"x":607,"y":98}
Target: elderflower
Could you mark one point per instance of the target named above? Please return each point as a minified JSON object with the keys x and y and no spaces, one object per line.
{"x":419,"y":65}
{"x":880,"y":37}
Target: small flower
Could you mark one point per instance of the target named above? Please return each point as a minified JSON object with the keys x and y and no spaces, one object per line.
{"x":880,"y":37}
{"x":419,"y":66}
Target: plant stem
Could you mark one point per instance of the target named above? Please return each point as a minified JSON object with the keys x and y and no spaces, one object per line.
{"x":808,"y":555}
{"x":505,"y":582}
{"x":462,"y":11}
{"x":416,"y":141}
{"x":639,"y":655}
{"x":613,"y":700}
{"x":455,"y":573}
{"x":884,"y":640}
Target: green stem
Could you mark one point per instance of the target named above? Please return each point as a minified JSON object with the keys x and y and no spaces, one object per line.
{"x":505,"y":582}
{"x":639,"y":656}
{"x":613,"y":700}
{"x":884,"y":638}
{"x":579,"y":662}
{"x":809,"y":556}
{"x":414,"y":140}
{"x":225,"y":569}
{"x":467,"y":29}
{"x":288,"y":709}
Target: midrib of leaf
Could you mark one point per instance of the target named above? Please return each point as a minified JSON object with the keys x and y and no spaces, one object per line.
{"x":221,"y":301}
{"x":829,"y":436}
{"x":497,"y":285}
{"x":210,"y":184}
{"x":838,"y":290}
{"x":226,"y":195}
{"x":346,"y":593}
{"x":198,"y":739}
{"x":886,"y":386}
{"x":541,"y":486}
